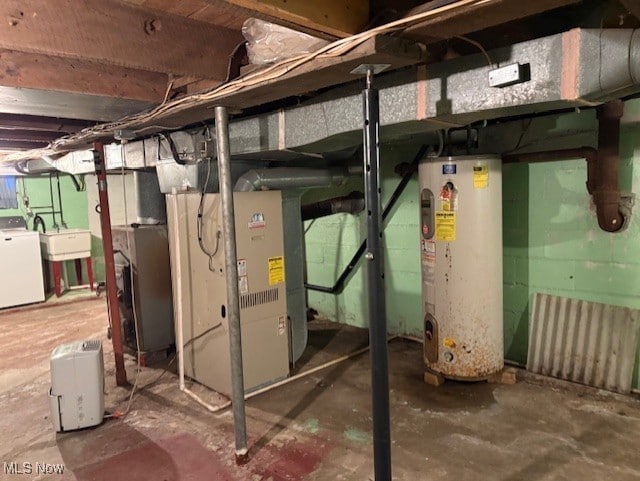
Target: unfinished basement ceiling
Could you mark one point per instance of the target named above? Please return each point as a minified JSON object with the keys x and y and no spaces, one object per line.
{"x":95,"y":61}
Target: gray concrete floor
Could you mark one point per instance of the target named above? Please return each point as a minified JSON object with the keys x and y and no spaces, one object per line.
{"x":316,"y":428}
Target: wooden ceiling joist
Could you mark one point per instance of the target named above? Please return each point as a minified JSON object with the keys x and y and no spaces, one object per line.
{"x":115,"y":33}
{"x":43,"y":72}
{"x":340,"y":18}
{"x":29,"y":135}
{"x":20,"y":145}
{"x":35,"y":122}
{"x":476,"y":17}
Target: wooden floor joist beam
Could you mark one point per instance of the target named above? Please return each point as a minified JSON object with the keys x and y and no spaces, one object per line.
{"x":37,"y":71}
{"x":21,"y":145}
{"x":48,"y":124}
{"x":29,"y":135}
{"x":477,"y":17}
{"x":114,"y":33}
{"x":339,"y":18}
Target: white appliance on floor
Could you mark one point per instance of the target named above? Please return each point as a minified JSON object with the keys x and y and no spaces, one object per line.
{"x":21,"y":280}
{"x":76,"y":396}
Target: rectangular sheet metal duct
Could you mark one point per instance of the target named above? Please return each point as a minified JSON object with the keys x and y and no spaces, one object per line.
{"x":585,"y":342}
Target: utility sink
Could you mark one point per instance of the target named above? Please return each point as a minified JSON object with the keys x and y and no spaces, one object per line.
{"x":65,"y":244}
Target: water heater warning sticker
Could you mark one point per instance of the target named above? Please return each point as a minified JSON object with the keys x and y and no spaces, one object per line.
{"x":445,"y":226}
{"x":276,"y":270}
{"x":480,"y":176}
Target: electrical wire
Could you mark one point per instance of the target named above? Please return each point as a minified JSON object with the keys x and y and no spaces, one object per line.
{"x":202,"y":334}
{"x":310,"y":225}
{"x":124,"y":187}
{"x":275,"y":71}
{"x":525,"y":129}
{"x":478,"y":45}
{"x":200,"y":222}
{"x":133,"y":297}
{"x":440,"y":143}
{"x":120,"y":414}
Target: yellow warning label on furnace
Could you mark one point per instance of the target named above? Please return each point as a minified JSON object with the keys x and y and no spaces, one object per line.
{"x":276,"y":270}
{"x":480,"y":176}
{"x":445,"y":226}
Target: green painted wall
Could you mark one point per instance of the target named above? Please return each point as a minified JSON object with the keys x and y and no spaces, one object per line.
{"x":552,"y":243}
{"x":332,"y":241}
{"x":37,"y":188}
{"x":74,"y":205}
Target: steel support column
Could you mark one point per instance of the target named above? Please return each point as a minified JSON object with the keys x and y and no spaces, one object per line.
{"x":375,"y":285}
{"x":109,"y":264}
{"x":233,"y":296}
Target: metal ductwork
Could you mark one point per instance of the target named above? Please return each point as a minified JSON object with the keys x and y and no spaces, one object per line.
{"x":285,"y":178}
{"x":292,"y":181}
{"x":353,"y":203}
{"x":578,"y":68}
{"x":581,"y":67}
{"x":151,"y":207}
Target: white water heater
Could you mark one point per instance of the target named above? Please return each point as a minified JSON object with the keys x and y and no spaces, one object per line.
{"x":461,"y":256}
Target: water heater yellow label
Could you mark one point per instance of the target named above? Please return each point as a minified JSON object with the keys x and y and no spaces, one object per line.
{"x":445,"y":226}
{"x":276,"y":270}
{"x":480,"y":176}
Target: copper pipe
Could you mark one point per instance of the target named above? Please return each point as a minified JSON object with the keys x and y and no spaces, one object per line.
{"x":109,"y":265}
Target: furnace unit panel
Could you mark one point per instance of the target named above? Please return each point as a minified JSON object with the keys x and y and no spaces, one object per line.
{"x":198,"y":271}
{"x":461,"y":256}
{"x":144,"y":279}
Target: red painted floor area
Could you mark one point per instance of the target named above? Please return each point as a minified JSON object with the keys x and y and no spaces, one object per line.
{"x":178,"y":458}
{"x":317,"y":428}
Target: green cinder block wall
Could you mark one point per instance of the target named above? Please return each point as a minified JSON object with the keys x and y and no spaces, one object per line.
{"x":37,"y":188}
{"x":552,"y":243}
{"x":332,"y":241}
{"x":74,"y":205}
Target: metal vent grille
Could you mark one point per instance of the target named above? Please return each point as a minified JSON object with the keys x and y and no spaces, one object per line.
{"x":586,"y":342}
{"x":92,"y":345}
{"x":258,"y":298}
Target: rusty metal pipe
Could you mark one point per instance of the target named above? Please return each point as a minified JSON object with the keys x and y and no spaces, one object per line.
{"x":352,"y":203}
{"x":590,"y":154}
{"x":602,"y":165}
{"x":551,"y":155}
{"x":109,"y":265}
{"x":606,"y":193}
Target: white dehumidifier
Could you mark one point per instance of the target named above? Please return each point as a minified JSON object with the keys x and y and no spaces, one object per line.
{"x":76,"y":396}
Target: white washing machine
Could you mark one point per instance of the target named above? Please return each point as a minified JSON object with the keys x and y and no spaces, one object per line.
{"x":21,"y":279}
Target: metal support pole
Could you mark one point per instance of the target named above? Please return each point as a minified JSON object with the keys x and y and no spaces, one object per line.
{"x":231,"y":265}
{"x":109,"y":264}
{"x":375,"y":285}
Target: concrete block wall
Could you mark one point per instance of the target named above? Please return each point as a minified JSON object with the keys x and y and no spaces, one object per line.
{"x":552,"y":243}
{"x":74,"y":205}
{"x":332,"y":241}
{"x":79,"y":209}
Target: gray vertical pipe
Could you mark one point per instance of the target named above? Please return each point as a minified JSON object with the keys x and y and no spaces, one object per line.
{"x":231,"y":263}
{"x":375,"y":286}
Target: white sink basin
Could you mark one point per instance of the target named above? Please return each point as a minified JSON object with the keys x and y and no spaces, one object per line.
{"x":66,"y":244}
